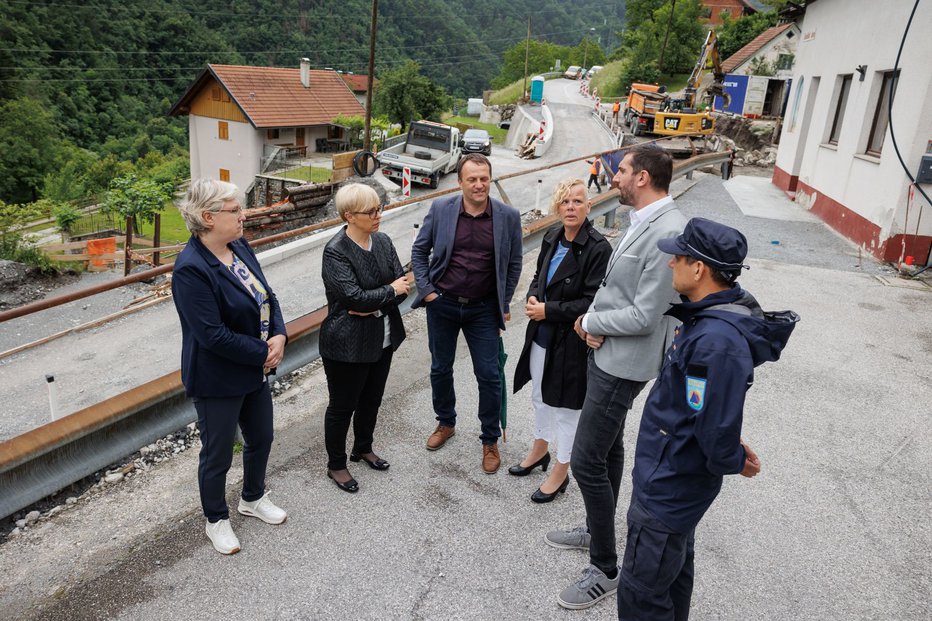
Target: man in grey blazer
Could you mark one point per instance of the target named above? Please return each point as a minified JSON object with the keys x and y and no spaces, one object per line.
{"x":467,"y":261}
{"x":628,"y":333}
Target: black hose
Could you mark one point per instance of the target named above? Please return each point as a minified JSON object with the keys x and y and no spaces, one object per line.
{"x":361,"y":165}
{"x":896,"y":78}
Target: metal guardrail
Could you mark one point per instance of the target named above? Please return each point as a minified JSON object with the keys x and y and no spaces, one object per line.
{"x":47,"y":459}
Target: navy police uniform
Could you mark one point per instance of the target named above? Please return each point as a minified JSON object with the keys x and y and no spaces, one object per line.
{"x":690,"y":433}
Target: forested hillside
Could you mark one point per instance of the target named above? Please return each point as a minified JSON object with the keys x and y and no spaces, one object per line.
{"x":102,"y":74}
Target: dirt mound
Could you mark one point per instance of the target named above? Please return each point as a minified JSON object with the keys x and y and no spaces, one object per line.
{"x":20,"y":284}
{"x":742,"y":131}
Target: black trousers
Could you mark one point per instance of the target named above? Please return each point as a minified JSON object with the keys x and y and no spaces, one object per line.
{"x":356,"y":390}
{"x":594,"y":179}
{"x":657,"y":572}
{"x":217,"y":418}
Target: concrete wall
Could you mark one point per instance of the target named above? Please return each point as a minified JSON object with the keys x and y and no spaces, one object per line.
{"x":240,"y":154}
{"x":865,"y":197}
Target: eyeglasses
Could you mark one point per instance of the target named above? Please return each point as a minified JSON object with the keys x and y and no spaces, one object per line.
{"x":375,"y":211}
{"x":235,"y":212}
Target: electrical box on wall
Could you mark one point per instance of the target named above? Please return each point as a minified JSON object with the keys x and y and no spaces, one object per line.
{"x":925,"y":169}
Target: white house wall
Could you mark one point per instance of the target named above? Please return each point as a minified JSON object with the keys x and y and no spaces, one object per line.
{"x":240,"y":154}
{"x":863,"y":196}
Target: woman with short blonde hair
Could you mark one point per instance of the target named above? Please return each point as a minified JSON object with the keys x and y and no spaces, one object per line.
{"x":364,"y":283}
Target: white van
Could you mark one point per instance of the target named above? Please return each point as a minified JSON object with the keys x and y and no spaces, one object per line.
{"x":594,"y":70}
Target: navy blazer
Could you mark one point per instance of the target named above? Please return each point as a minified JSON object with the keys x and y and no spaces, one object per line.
{"x":221,"y":352}
{"x":430,"y":254}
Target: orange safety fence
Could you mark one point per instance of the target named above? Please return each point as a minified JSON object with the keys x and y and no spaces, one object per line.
{"x":96,"y":247}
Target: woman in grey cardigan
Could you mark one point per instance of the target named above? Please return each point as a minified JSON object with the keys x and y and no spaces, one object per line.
{"x":364,"y":283}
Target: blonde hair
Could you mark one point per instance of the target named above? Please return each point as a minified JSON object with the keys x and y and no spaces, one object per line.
{"x":560,"y":193}
{"x":204,"y":195}
{"x":355,"y":197}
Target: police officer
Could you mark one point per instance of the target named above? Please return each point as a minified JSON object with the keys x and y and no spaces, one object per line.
{"x":690,"y":434}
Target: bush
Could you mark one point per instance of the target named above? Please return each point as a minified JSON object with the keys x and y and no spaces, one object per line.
{"x":65,"y":216}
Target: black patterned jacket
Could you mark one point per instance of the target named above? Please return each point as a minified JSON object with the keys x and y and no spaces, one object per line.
{"x":360,"y":280}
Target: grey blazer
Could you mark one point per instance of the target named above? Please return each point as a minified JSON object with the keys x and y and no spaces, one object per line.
{"x":433,"y":247}
{"x":628,"y":308}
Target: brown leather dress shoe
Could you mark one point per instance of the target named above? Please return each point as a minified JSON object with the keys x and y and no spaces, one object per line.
{"x":490,"y":458}
{"x":439,"y":437}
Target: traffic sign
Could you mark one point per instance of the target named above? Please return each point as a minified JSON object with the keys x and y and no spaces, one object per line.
{"x":406,"y":182}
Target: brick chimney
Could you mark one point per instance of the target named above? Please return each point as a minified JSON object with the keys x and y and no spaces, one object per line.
{"x":306,"y":72}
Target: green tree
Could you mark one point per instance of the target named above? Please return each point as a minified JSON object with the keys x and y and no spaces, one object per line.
{"x":28,"y":138}
{"x":734,"y":34}
{"x":65,"y":216}
{"x":404,"y":95}
{"x":541,"y":57}
{"x":140,"y":198}
{"x":647,"y":26}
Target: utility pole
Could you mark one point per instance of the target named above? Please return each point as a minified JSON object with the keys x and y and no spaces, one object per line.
{"x":586,"y":47}
{"x":527,"y":46}
{"x":367,"y":138}
{"x":666,"y":35}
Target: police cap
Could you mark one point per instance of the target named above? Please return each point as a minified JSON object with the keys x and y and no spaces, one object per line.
{"x":718,"y":246}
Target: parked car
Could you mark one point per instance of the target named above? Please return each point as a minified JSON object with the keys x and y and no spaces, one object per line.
{"x":477,"y":141}
{"x":573,"y":72}
{"x":594,"y":70}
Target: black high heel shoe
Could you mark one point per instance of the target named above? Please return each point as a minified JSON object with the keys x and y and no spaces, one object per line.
{"x":520,"y":471}
{"x":541,"y":497}
{"x":350,"y":486}
{"x":378,"y":464}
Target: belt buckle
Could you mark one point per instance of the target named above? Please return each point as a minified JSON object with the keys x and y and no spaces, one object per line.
{"x":462,"y":300}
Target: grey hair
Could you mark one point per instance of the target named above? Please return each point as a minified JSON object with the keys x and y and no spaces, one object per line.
{"x":204,"y":195}
{"x":354,"y":197}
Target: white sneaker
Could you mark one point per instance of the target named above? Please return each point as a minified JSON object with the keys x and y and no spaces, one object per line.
{"x":222,"y":536}
{"x":263,"y":509}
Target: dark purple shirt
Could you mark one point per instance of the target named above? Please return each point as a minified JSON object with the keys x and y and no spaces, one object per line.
{"x":471,"y":270}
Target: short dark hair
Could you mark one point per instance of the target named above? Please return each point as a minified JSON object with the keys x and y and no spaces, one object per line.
{"x":477,"y":158}
{"x":726,"y":279}
{"x":656,"y":161}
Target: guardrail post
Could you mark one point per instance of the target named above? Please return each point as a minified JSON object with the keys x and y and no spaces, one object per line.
{"x":610,"y":219}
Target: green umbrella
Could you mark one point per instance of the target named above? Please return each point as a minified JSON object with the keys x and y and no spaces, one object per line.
{"x":502,"y":358}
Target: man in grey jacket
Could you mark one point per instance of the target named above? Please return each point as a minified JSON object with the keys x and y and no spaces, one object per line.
{"x":467,"y":261}
{"x":628,"y":333}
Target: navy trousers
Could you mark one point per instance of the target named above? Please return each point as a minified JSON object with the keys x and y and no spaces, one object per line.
{"x":217,"y":418}
{"x":657,"y":572}
{"x":479,"y":323}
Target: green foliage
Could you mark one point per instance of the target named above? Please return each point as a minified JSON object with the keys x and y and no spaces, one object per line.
{"x":404,"y":95}
{"x":508,"y":94}
{"x":734,"y":34}
{"x":27,"y":145}
{"x":140,"y":198}
{"x":356,"y":128}
{"x":13,"y":245}
{"x":645,"y":73}
{"x":65,"y":216}
{"x":541,"y":57}
{"x":646,"y":29}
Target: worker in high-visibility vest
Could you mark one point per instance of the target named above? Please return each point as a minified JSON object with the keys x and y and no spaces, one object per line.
{"x":594,"y":174}
{"x":616,"y":108}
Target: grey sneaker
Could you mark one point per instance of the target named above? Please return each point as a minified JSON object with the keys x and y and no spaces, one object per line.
{"x":575,"y":539}
{"x":591,"y":587}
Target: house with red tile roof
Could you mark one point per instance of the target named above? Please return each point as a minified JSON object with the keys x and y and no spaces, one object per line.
{"x":359,"y":84}
{"x":776,"y":46}
{"x":240,"y":117}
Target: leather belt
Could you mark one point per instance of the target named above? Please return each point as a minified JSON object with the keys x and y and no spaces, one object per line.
{"x":462,"y":300}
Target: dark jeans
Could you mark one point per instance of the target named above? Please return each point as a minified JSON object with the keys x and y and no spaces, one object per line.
{"x":594,"y":179}
{"x":356,"y":390}
{"x":217,"y":418}
{"x":599,"y":457}
{"x":657,"y":572}
{"x":479,"y":323}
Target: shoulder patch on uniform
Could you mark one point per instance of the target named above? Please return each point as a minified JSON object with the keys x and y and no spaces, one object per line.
{"x":695,"y":392}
